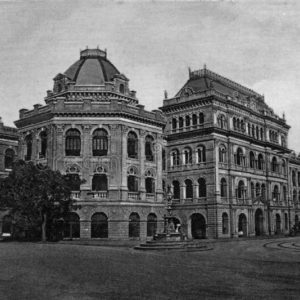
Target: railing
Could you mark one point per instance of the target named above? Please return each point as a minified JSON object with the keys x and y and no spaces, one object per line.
{"x":76,"y":195}
{"x":150,"y":197}
{"x":133,"y":195}
{"x":100,"y":194}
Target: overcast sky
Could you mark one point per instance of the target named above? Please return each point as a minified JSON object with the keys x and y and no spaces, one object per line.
{"x":255,"y":43}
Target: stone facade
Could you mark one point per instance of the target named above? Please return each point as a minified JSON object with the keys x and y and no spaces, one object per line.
{"x":228,"y":151}
{"x":8,"y":152}
{"x":217,"y":144}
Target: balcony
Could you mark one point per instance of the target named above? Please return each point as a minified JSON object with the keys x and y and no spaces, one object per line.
{"x":133,"y":195}
{"x":150,"y":197}
{"x":100,"y":195}
{"x":75,"y":195}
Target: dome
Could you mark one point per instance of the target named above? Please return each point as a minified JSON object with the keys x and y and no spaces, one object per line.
{"x":93,"y":68}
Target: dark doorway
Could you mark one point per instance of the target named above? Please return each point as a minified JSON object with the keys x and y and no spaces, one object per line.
{"x":99,"y":226}
{"x":198,"y":226}
{"x":278,"y":224}
{"x":242,"y":226}
{"x":259,"y":222}
{"x":72,"y":226}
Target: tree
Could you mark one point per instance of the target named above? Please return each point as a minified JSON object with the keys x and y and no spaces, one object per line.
{"x":36,"y":197}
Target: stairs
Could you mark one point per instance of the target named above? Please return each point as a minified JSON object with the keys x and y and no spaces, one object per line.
{"x":162,"y":245}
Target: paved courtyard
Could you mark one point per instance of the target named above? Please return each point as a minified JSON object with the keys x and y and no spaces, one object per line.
{"x":252,"y":269}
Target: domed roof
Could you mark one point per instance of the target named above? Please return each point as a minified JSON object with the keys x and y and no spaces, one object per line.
{"x":93,"y":68}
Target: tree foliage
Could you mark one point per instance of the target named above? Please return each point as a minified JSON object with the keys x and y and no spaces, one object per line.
{"x":37,"y":197}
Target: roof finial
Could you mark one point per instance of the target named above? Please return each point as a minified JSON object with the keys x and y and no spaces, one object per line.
{"x":283,"y":116}
{"x":87,"y":47}
{"x":166,"y":94}
{"x":1,"y":120}
{"x":97,"y":46}
{"x":190,"y":72}
{"x":204,"y":66}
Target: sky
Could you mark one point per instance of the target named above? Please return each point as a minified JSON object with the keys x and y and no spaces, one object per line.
{"x":255,"y":43}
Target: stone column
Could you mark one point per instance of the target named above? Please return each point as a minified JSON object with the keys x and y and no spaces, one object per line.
{"x":124,"y":188}
{"x":142,"y":159}
{"x":59,"y":148}
{"x":158,"y":158}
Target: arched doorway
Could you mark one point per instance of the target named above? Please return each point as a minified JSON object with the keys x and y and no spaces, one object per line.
{"x":151,"y":224}
{"x":259,"y":222}
{"x":72,"y":226}
{"x":278,"y":224}
{"x":198,"y":226}
{"x":7,"y":224}
{"x":134,"y":225}
{"x":99,"y":226}
{"x":242,"y":226}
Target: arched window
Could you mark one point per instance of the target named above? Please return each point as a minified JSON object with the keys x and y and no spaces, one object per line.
{"x":73,"y":142}
{"x":249,"y":129}
{"x":223,"y":187}
{"x":257,"y":189}
{"x":176,"y":189}
{"x":122,"y":88}
{"x":134,"y":225}
{"x":194,"y":119}
{"x":234,"y":123}
{"x":263,"y":191}
{"x":260,"y":161}
{"x":253,"y":131}
{"x":99,"y":182}
{"x":9,"y":158}
{"x":257,"y":132}
{"x":284,"y":193}
{"x":261,"y":134}
{"x":201,"y":187}
{"x":187,"y":121}
{"x":276,"y":193}
{"x":28,"y":143}
{"x":241,"y":190}
{"x":294,"y":196}
{"x":225,"y":223}
{"x":180,"y":122}
{"x":187,"y":156}
{"x":283,"y":143}
{"x":239,"y":157}
{"x":174,"y":124}
{"x":222,"y":154}
{"x":188,"y":189}
{"x":163,"y":153}
{"x":175,"y":159}
{"x":100,"y":142}
{"x":252,"y":190}
{"x":252,"y":160}
{"x":72,"y":226}
{"x":73,"y":181}
{"x":151,"y":224}
{"x":149,"y":148}
{"x":7,"y":224}
{"x":201,"y":156}
{"x":201,"y":118}
{"x":294,"y":178}
{"x":44,"y":143}
{"x":238,"y":124}
{"x":221,"y":121}
{"x":132,"y":145}
{"x":274,"y":166}
{"x":132,"y":180}
{"x":149,"y":183}
{"x":99,"y":226}
{"x":286,"y":227}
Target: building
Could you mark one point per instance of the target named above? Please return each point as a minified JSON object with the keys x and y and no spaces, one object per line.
{"x":217,"y":144}
{"x":228,"y":160}
{"x":8,"y":152}
{"x":92,"y":126}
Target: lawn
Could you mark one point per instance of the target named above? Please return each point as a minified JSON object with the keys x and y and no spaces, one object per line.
{"x":232,"y":270}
